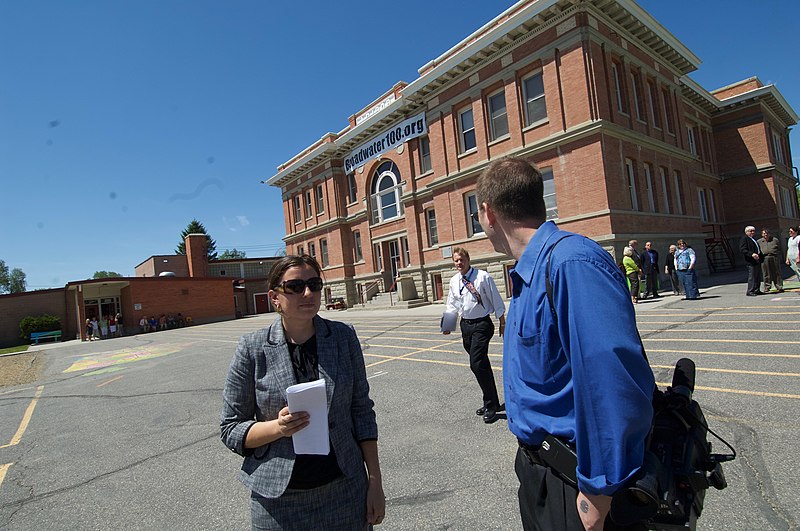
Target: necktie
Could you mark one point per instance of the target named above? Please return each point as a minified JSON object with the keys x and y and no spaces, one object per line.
{"x":471,"y":289}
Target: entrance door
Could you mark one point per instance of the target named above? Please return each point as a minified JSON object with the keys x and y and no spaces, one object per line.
{"x":394,"y":260}
{"x":262,"y":302}
{"x":438,"y":291}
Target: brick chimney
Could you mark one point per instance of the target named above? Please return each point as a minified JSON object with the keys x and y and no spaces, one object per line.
{"x":197,"y":255}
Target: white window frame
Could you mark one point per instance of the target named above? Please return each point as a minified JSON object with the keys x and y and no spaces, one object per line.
{"x":677,"y":186}
{"x":701,"y":199}
{"x":528,"y":99}
{"x":619,"y":93}
{"x":312,"y":249}
{"x":648,"y":184}
{"x":381,"y":198}
{"x":549,"y":193}
{"x":691,"y":139}
{"x":425,"y":154}
{"x":309,"y":211}
{"x":777,"y":148}
{"x":470,"y":207}
{"x":352,"y":189}
{"x":357,"y":250}
{"x":712,"y":206}
{"x":665,"y":188}
{"x":630,"y":173}
{"x":406,"y":251}
{"x":636,"y":81}
{"x":300,"y":250}
{"x":498,"y":117}
{"x":323,"y":252}
{"x":298,"y":211}
{"x":669,"y":118}
{"x":652,"y":102}
{"x":466,"y":133}
{"x":433,"y":229}
{"x":320,"y":199}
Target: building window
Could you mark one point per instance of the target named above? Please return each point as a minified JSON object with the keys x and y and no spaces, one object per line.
{"x":424,"y":154}
{"x":662,"y":171}
{"x":352,"y":189}
{"x":638,"y":96}
{"x":320,"y":199}
{"x":466,"y":129}
{"x":692,"y":142}
{"x":376,"y":256}
{"x":630,"y":173}
{"x":648,"y":185}
{"x":652,"y":102}
{"x":298,"y":215}
{"x":406,"y":251}
{"x":777,"y":148}
{"x":788,"y":201}
{"x":308,"y":205}
{"x":701,"y":198}
{"x":299,"y":250}
{"x":359,"y":256}
{"x":471,"y":203}
{"x":619,"y":92}
{"x":533,"y":93}
{"x":550,"y":202}
{"x":678,"y":186}
{"x":386,"y":189}
{"x":712,"y":205}
{"x":498,"y":119}
{"x":668,"y":111}
{"x":312,"y":249}
{"x":433,"y":234}
{"x":323,"y":252}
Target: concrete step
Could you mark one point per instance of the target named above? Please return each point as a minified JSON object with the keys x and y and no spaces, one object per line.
{"x":383,"y":304}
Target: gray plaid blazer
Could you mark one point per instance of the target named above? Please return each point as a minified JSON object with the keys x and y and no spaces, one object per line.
{"x":255,"y":390}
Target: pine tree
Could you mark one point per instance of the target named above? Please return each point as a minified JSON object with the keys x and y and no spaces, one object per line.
{"x":195,"y":227}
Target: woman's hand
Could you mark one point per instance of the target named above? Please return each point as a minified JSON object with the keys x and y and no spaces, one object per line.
{"x":291,"y":423}
{"x":376,"y":502}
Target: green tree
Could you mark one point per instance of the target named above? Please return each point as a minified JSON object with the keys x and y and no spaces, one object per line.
{"x":3,"y":277}
{"x":232,"y":254}
{"x":106,"y":274}
{"x":195,"y":227}
{"x":16,"y":281}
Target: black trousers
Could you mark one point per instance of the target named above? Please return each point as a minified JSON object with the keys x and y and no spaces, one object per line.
{"x":476,"y":336}
{"x":652,"y":282}
{"x":546,"y":503}
{"x":753,"y":278}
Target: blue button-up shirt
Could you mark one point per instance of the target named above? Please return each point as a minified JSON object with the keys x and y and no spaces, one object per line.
{"x":584,"y":378}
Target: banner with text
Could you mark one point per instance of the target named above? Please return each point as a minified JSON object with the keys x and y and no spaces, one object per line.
{"x":393,"y":137}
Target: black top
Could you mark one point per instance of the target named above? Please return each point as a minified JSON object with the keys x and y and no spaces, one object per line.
{"x":310,"y":471}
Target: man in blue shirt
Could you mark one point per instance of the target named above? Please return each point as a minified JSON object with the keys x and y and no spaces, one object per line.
{"x":576,"y":371}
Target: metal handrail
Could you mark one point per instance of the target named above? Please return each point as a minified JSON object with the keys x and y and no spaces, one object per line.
{"x":391,"y":289}
{"x":366,"y":289}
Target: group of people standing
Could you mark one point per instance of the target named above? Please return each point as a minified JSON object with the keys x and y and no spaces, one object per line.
{"x":105,"y":327}
{"x":763,"y":259}
{"x":164,"y":322}
{"x":571,"y":370}
{"x":679,"y":266}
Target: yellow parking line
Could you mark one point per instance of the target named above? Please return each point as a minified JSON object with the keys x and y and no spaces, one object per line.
{"x":737,"y":391}
{"x":26,"y":418}
{"x":698,"y":340}
{"x":109,"y":381}
{"x":683,"y":330}
{"x":734,"y":371}
{"x":717,"y":353}
{"x":3,"y":469}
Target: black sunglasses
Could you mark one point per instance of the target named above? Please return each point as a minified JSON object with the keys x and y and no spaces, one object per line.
{"x":298,"y":285}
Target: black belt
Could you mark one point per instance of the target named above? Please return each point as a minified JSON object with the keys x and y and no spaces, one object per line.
{"x":478,"y":320}
{"x":683,"y":270}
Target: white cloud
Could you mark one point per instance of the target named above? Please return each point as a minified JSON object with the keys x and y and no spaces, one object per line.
{"x":243,"y":221}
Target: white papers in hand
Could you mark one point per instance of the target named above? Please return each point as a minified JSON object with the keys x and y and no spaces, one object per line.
{"x":448,"y":323}
{"x":310,"y":397}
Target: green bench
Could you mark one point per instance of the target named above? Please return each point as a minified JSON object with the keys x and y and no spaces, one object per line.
{"x":54,"y":335}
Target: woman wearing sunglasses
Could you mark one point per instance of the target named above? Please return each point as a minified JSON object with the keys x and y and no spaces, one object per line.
{"x":292,"y":491}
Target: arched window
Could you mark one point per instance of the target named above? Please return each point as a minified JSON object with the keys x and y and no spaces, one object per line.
{"x":386,"y":190}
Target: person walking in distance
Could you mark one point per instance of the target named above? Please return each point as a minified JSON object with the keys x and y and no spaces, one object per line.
{"x":669,"y":270}
{"x":770,"y":248}
{"x":571,"y":369}
{"x":473,"y":294}
{"x":793,"y":251}
{"x":748,"y":247}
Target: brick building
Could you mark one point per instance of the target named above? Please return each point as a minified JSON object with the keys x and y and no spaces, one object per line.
{"x":597,"y":95}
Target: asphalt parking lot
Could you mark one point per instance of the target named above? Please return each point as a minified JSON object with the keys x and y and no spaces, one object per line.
{"x":123,"y":433}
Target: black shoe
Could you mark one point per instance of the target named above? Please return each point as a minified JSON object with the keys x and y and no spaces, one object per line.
{"x":480,"y":411}
{"x":757,"y":292}
{"x":490,"y":416}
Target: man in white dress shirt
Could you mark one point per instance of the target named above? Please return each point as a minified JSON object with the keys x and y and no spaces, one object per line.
{"x":474,"y":296}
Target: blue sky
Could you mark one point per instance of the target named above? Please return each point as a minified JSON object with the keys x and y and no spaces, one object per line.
{"x":122,"y":121}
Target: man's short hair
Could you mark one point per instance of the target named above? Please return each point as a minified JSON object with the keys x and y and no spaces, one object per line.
{"x":463,"y":252}
{"x":749,"y":228}
{"x":765,"y":230}
{"x":514,"y":189}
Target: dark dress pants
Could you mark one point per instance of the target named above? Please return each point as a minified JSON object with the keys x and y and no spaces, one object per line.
{"x":546,"y":503}
{"x":652,"y":282}
{"x":753,"y":278}
{"x":476,"y":337}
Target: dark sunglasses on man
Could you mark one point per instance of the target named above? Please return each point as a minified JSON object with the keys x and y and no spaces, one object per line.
{"x":297,"y":286}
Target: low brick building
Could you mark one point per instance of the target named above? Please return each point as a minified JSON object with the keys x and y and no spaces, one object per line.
{"x":597,"y":95}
